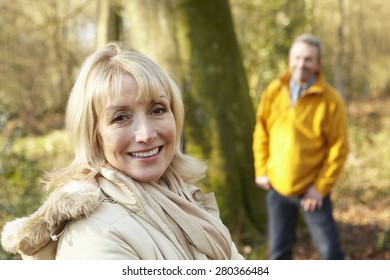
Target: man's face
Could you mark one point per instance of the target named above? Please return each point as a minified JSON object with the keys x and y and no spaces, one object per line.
{"x":303,"y":61}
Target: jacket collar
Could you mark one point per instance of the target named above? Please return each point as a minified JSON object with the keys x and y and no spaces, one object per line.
{"x":318,"y":87}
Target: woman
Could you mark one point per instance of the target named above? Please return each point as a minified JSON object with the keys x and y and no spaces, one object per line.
{"x":129,"y":193}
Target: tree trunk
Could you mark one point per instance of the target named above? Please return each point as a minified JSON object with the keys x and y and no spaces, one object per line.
{"x":339,"y":65}
{"x":109,"y":24}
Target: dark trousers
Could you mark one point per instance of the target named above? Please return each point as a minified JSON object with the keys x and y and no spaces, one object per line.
{"x":282,"y":220}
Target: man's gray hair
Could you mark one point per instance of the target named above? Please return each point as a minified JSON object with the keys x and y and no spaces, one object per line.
{"x":311,"y":40}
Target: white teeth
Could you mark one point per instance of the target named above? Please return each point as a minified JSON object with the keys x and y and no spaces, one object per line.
{"x":145,"y":154}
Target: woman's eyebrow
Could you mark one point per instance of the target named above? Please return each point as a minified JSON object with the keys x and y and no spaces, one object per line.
{"x":122,"y":107}
{"x":164,"y":96}
{"x":110,"y":107}
{"x":114,"y":108}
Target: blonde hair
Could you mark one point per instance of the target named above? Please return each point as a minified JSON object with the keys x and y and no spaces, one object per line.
{"x":101,"y":77}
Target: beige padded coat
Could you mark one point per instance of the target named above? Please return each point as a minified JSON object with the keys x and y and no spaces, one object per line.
{"x":97,"y":220}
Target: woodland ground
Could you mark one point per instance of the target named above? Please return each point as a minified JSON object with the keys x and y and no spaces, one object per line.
{"x":362,"y":196}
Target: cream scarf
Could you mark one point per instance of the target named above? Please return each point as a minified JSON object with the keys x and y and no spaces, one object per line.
{"x":172,"y":208}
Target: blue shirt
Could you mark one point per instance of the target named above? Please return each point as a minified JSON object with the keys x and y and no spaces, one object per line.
{"x":296,"y":89}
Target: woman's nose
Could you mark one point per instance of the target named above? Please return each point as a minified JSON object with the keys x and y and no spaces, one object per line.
{"x":144,"y":131}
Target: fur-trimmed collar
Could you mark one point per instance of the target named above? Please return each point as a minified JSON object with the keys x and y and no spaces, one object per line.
{"x":28,"y":235}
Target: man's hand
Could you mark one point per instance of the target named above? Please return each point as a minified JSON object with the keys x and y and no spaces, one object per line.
{"x":312,"y":200}
{"x":263,"y":182}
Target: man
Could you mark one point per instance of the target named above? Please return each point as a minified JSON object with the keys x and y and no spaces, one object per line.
{"x":300,"y":146}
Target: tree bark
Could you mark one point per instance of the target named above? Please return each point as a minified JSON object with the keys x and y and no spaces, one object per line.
{"x":109,"y":24}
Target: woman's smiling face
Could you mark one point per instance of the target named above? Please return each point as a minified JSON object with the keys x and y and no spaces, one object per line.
{"x":137,"y":137}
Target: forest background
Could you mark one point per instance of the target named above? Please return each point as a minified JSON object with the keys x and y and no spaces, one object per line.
{"x":223,"y":53}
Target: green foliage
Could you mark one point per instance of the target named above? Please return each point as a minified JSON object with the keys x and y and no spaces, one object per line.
{"x":22,"y":161}
{"x":265,"y":30}
{"x":19,"y":194}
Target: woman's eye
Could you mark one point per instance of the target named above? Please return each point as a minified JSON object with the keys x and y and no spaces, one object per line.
{"x":119,"y":118}
{"x":159,"y":110}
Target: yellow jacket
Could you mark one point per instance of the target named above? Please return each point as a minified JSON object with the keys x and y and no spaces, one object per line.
{"x":297,"y":146}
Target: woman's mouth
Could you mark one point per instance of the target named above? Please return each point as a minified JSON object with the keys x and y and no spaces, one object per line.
{"x":146,"y":154}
